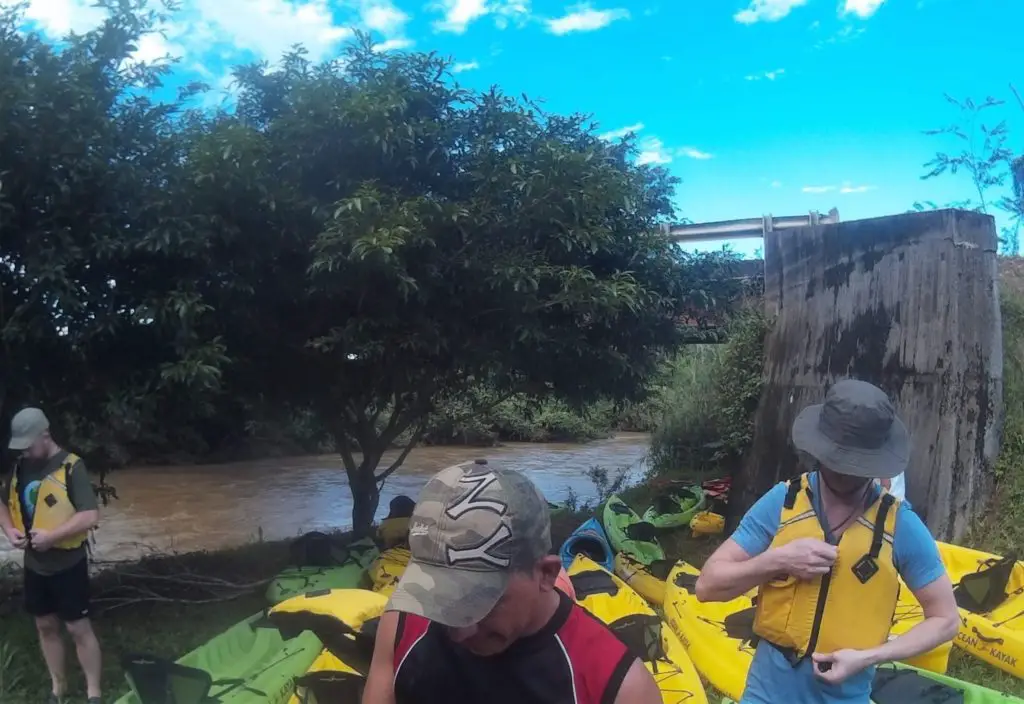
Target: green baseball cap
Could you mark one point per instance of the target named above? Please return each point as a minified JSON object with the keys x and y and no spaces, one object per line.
{"x":27,"y":426}
{"x":473,"y":527}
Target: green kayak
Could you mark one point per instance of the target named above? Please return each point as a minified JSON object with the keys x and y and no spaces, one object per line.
{"x":676,"y":508}
{"x":904,"y":684}
{"x":353,"y":561}
{"x":250,"y":663}
{"x":628,"y":533}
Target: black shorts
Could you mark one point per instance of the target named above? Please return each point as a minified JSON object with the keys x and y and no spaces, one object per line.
{"x":65,"y":594}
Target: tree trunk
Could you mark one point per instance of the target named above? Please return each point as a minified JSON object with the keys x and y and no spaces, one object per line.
{"x":365,"y":500}
{"x":908,"y":303}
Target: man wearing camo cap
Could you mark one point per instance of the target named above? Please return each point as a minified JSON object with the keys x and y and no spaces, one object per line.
{"x":476,"y":616}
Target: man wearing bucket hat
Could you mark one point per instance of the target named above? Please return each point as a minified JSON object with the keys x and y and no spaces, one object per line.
{"x":826,"y":551}
{"x":476,"y":616}
{"x":48,"y":509}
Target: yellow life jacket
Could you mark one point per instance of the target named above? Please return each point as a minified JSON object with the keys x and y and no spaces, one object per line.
{"x":852,"y":606}
{"x":394,"y":531}
{"x":53,"y":504}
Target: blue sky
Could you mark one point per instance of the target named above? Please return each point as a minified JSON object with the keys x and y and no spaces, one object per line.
{"x":760,"y":106}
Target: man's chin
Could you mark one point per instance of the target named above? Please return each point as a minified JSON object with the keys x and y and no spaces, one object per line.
{"x":485,"y":650}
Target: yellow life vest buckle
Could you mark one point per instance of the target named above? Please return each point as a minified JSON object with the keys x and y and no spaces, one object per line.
{"x":867,"y":566}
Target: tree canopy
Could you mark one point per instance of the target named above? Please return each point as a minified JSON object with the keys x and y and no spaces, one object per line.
{"x":359,"y":237}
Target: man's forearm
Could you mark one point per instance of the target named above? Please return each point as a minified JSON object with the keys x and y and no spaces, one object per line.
{"x":6,"y":524}
{"x":79,"y":523}
{"x":726,"y":580}
{"x":926,"y":635}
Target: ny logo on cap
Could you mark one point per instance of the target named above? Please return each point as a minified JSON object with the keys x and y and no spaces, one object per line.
{"x":468,"y":503}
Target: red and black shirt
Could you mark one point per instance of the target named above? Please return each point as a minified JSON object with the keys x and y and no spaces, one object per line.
{"x":574,"y":659}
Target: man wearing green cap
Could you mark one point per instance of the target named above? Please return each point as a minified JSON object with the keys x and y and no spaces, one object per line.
{"x":48,"y":508}
{"x":476,"y":616}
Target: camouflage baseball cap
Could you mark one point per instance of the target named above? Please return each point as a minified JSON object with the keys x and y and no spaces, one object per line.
{"x":473,"y":526}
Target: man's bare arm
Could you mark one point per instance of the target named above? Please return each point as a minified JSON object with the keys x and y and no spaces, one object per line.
{"x":380,"y":680}
{"x":638,"y":686}
{"x":940,"y":625}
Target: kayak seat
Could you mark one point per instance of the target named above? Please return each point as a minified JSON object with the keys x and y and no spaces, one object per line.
{"x":159,"y":681}
{"x":641,"y":634}
{"x":593,"y":582}
{"x":353,"y":647}
{"x":667,"y":503}
{"x":985,"y":589}
{"x":591,"y":547}
{"x":330,"y":687}
{"x":895,"y":686}
{"x":620,"y":508}
{"x":740,"y":624}
{"x":661,"y":568}
{"x":643,"y":532}
{"x":686,"y":581}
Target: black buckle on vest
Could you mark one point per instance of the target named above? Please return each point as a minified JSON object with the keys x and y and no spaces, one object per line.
{"x":867,"y":566}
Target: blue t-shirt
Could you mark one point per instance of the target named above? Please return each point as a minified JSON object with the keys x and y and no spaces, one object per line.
{"x":772,"y":678}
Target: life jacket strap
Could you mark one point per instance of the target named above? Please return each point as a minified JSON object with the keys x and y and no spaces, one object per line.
{"x":791,"y":492}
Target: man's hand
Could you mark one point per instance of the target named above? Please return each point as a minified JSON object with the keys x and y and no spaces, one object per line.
{"x":806,"y":558}
{"x":838,"y":666}
{"x":41,"y":540}
{"x":15,"y":537}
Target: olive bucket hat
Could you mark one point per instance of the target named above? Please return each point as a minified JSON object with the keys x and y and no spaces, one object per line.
{"x":854,"y":432}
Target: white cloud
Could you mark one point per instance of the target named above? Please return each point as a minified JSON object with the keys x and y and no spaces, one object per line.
{"x":393,"y":44}
{"x":459,"y":14}
{"x":465,"y":66}
{"x":776,"y":184}
{"x":847,"y":188}
{"x":511,"y":12}
{"x":584,"y":18}
{"x":654,"y":151}
{"x":382,"y":16}
{"x":622,"y":131}
{"x":862,"y":8}
{"x":694,"y":153}
{"x":58,"y":17}
{"x":767,"y":10}
{"x":766,"y":75}
{"x":269,"y":28}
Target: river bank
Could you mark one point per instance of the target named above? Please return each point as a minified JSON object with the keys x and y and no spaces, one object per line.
{"x":187,"y":508}
{"x":169,"y":605}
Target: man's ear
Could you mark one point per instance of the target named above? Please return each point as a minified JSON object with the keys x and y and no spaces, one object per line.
{"x":549,"y":567}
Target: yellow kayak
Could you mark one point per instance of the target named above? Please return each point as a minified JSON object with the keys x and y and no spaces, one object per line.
{"x":647,"y":581}
{"x":717,"y":634}
{"x":610,"y":600}
{"x":388,"y":568}
{"x":328,"y":680}
{"x":714,"y":633}
{"x":990,"y":593}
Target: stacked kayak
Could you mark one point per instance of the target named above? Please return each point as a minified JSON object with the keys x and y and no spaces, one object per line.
{"x":388,"y":568}
{"x":253,"y":662}
{"x":675,"y":508}
{"x":990,"y":593}
{"x":902,"y":684}
{"x":610,"y":600}
{"x":590,"y":540}
{"x":716,"y":634}
{"x":629,"y":533}
{"x":647,"y":580}
{"x":328,"y":680}
{"x":351,"y":563}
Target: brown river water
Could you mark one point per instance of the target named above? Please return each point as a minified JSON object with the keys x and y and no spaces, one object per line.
{"x":180,"y":509}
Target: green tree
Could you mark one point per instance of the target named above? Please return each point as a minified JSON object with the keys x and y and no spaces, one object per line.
{"x":377,"y":237}
{"x":90,"y":321}
{"x":994,"y":164}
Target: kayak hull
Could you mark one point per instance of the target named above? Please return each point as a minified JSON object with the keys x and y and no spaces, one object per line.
{"x":671,"y":667}
{"x":591,"y":539}
{"x":628,"y":533}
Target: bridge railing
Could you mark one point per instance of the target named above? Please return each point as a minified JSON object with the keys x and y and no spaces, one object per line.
{"x":746,"y":228}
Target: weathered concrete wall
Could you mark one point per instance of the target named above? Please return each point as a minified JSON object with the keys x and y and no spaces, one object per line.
{"x":909,"y":303}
